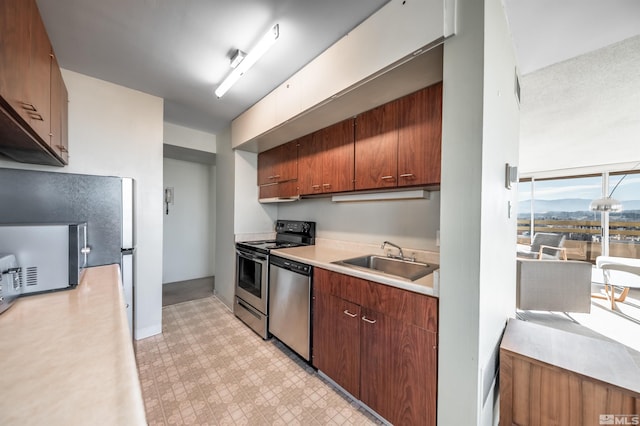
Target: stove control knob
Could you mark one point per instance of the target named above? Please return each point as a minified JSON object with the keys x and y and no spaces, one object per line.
{"x":306,"y":227}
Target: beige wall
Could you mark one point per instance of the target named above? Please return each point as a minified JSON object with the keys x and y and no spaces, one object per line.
{"x":116,"y":131}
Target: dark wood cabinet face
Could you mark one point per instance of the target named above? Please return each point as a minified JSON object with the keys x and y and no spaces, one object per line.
{"x":336,"y":340}
{"x":325,"y":159}
{"x":420,"y":137}
{"x":398,"y":369}
{"x":31,"y":88}
{"x":278,"y":164}
{"x":376,"y":147}
{"x":395,"y":372}
{"x":310,"y":164}
{"x":338,"y":157}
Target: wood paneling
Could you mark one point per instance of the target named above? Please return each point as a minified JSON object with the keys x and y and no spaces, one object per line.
{"x":397,"y":366}
{"x":310,"y":164}
{"x":420,"y":137}
{"x":532,"y":393}
{"x":403,"y":305}
{"x":336,"y":340}
{"x":338,"y":157}
{"x":376,"y":147}
{"x":344,"y":286}
{"x":27,"y":72}
{"x":398,"y":376}
{"x":279,"y":164}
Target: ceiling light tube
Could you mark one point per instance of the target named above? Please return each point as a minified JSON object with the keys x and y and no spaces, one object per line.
{"x":252,"y":57}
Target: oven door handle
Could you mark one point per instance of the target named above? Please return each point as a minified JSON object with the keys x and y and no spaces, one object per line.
{"x":251,"y":256}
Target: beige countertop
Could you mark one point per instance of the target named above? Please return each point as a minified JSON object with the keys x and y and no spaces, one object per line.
{"x":605,"y":361}
{"x":322,"y":256}
{"x":67,"y":357}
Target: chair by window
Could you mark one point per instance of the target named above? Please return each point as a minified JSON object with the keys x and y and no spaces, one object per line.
{"x":544,"y":246}
{"x":549,"y":285}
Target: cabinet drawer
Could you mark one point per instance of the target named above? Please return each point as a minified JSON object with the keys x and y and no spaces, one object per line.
{"x":406,"y":306}
{"x":344,"y":286}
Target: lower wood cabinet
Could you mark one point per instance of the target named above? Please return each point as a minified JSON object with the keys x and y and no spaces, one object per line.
{"x":379,"y":343}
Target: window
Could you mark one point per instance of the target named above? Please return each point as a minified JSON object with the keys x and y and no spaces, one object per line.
{"x":562,"y":206}
{"x":624,"y":226}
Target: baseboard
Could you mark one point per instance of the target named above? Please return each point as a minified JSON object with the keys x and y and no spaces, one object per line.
{"x":143,"y":333}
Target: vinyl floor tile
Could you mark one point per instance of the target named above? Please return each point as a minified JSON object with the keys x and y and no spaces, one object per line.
{"x":208,"y":368}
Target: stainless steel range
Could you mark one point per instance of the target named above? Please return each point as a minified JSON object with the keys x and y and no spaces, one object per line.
{"x":252,"y":271}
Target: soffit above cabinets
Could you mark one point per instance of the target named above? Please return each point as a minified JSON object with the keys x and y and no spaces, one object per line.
{"x":405,"y":76}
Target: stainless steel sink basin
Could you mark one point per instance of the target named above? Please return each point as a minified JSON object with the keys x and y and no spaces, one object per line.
{"x":386,"y":265}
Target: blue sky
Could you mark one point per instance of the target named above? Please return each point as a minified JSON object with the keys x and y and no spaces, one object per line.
{"x":588,"y":188}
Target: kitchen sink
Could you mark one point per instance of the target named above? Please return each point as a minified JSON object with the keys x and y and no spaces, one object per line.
{"x":387,"y":265}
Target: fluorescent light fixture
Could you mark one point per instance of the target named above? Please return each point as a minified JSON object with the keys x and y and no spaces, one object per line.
{"x":252,"y":57}
{"x":237,"y":58}
{"x":382,"y":196}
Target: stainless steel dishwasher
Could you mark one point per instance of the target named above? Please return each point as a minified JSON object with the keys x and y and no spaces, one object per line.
{"x":290,"y":304}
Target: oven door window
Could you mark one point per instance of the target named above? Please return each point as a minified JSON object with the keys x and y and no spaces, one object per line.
{"x":250,"y":276}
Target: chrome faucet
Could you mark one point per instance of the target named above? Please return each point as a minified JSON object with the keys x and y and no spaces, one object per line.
{"x":389,"y":243}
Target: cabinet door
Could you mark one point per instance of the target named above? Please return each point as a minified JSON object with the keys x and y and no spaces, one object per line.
{"x":376,"y":147}
{"x":337,"y":157}
{"x":59,"y":99}
{"x":287,"y":162}
{"x":398,"y":369}
{"x":336,"y":340}
{"x":38,"y":77}
{"x":420,"y":137}
{"x":15,"y":48}
{"x":278,"y":190}
{"x":278,"y":164}
{"x":266,"y":164}
{"x":310,"y":164}
{"x":343,"y":286}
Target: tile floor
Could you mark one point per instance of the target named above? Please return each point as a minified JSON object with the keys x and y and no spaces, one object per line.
{"x":207,"y":368}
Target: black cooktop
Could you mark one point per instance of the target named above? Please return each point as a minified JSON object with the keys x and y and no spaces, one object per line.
{"x":289,"y":233}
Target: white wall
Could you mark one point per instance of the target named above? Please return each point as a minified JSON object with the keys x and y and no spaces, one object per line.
{"x":501,"y":127}
{"x":186,"y":248}
{"x":583,"y":112}
{"x":116,"y":131}
{"x":189,"y":138}
{"x":250,"y":216}
{"x":408,"y":223}
{"x":477,"y":264}
{"x":225,"y":239}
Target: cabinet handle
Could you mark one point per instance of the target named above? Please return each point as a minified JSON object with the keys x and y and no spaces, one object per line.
{"x":271,"y":177}
{"x":36,"y":116}
{"x":28,"y":106}
{"x":62,"y":148}
{"x":364,"y":318}
{"x":387,"y":177}
{"x":315,"y":186}
{"x":326,"y":185}
{"x":406,"y":175}
{"x":276,"y":176}
{"x":346,"y":312}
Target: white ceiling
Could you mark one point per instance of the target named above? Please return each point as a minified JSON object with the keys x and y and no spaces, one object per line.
{"x":546,"y":32}
{"x":179,"y":49}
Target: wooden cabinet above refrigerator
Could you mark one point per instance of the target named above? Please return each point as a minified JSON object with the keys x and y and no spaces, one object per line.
{"x":33,"y":98}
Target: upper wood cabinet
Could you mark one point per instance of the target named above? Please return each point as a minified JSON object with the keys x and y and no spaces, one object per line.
{"x":325,"y":159}
{"x":30,"y":114}
{"x":59,"y":117}
{"x":376,"y":147}
{"x":420,"y":137}
{"x":278,"y":164}
{"x":398,"y":143}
